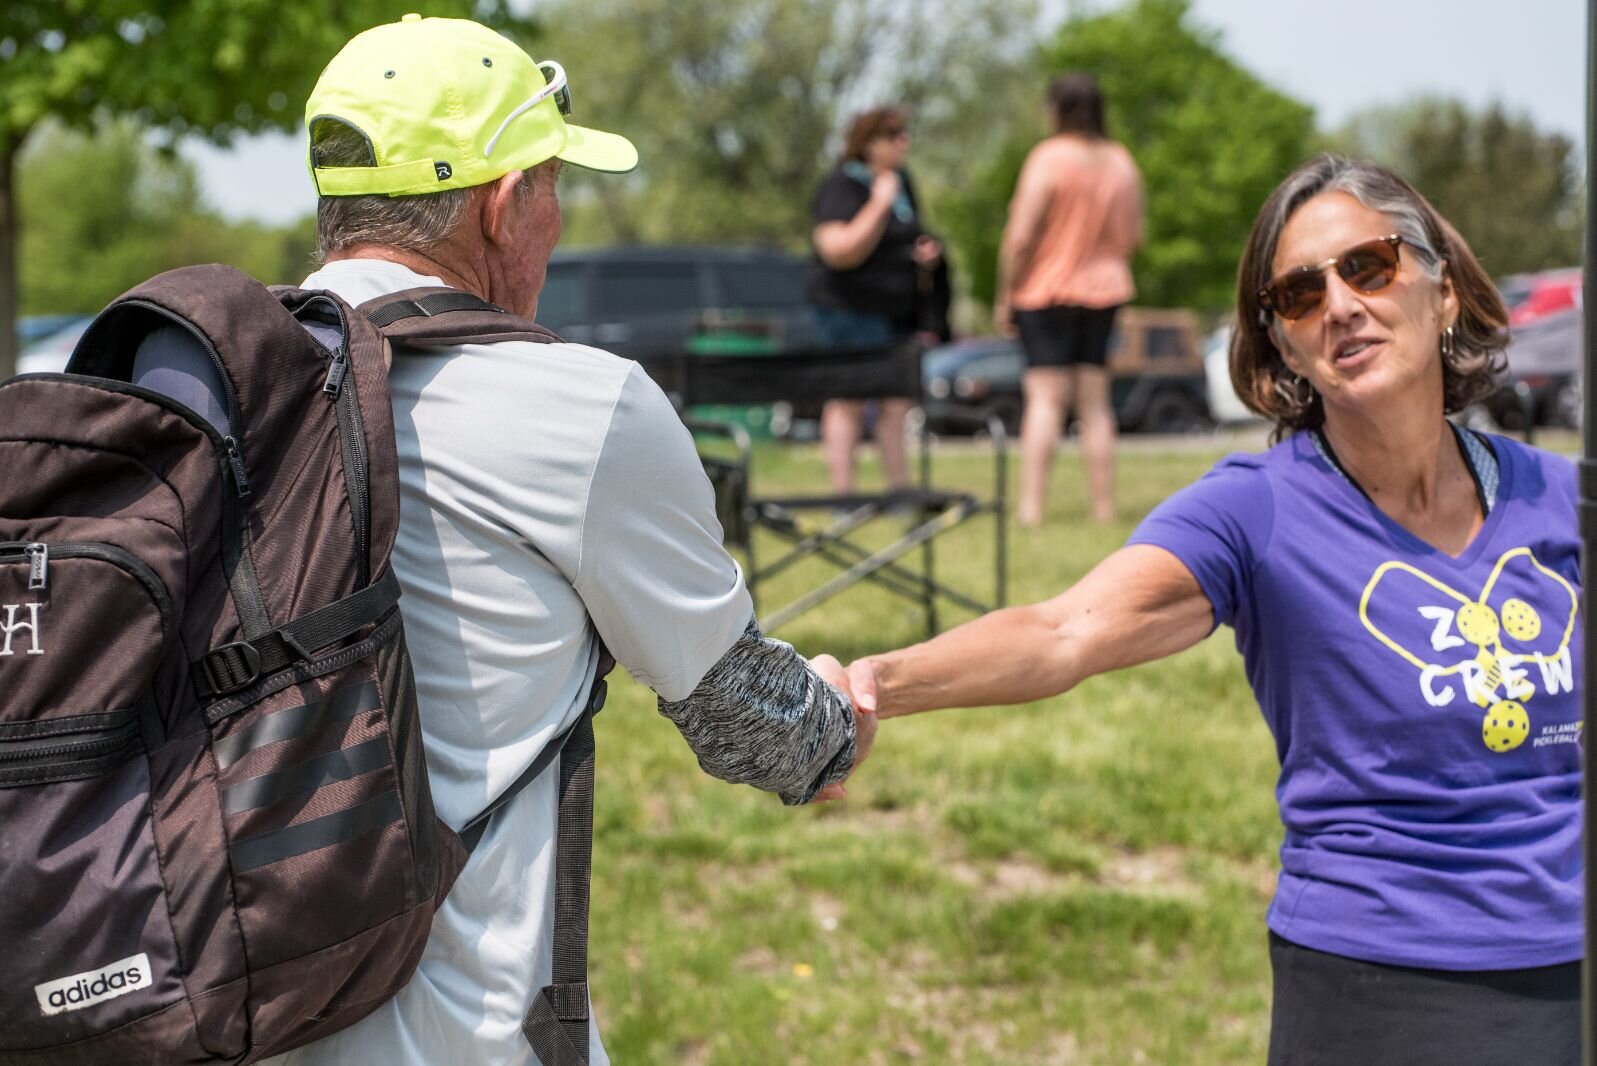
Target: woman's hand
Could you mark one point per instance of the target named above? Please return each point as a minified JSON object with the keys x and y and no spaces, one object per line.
{"x":845,"y":245}
{"x":885,"y":186}
{"x":1003,"y":318}
{"x":928,"y":251}
{"x":828,"y":669}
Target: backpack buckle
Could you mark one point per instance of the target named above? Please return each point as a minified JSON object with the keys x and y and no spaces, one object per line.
{"x":231,"y":667}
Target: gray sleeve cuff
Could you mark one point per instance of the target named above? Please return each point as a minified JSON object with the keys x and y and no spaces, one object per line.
{"x":762,"y":717}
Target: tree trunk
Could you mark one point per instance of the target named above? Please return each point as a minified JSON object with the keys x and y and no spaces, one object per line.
{"x":8,"y":255}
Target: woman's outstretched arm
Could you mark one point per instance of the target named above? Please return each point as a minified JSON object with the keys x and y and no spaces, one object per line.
{"x":1139,"y":604}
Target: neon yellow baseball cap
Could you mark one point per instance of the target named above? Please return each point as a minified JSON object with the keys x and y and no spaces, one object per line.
{"x":449,"y":104}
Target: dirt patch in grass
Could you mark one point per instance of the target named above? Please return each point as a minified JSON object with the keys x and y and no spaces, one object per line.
{"x":1159,"y":872}
{"x":974,"y":1024}
{"x":760,"y":961}
{"x":827,"y":911}
{"x":1007,"y":878}
{"x":692,"y":1053}
{"x":873,"y":821}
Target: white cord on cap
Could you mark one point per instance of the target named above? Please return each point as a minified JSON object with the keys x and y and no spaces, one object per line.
{"x":556,"y":83}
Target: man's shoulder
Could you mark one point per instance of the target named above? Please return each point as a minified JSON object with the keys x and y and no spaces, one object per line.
{"x":560,"y":352}
{"x":510,"y":365}
{"x":507,"y":403}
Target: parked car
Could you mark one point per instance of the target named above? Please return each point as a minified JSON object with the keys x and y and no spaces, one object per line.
{"x":1225,"y":407}
{"x":1533,"y":296}
{"x":1157,"y":382}
{"x":31,"y":328}
{"x":654,"y":303}
{"x":51,"y":349}
{"x":1545,"y":352}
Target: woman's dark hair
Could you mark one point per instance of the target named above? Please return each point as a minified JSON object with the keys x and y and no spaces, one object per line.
{"x":866,"y":126}
{"x":1474,"y":362}
{"x":1077,"y":103}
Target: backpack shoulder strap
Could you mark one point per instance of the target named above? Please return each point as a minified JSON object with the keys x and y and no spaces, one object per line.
{"x":436,"y":317}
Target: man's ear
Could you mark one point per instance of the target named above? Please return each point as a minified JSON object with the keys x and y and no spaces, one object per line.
{"x":497,"y":208}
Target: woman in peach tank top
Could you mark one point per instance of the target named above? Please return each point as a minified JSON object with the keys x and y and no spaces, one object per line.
{"x":1064,"y":268}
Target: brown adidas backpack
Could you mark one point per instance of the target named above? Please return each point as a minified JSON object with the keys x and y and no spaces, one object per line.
{"x":217,"y":841}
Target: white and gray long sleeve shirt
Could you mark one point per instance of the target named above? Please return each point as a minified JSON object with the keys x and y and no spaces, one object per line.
{"x":550,"y":498}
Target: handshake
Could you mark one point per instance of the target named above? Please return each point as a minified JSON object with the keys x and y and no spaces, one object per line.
{"x":857,"y":681}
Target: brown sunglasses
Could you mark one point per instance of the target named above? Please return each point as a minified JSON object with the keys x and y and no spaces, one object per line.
{"x":1368,"y":268}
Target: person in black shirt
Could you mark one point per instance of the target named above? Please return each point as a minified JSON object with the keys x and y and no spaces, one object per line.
{"x":872,"y":261}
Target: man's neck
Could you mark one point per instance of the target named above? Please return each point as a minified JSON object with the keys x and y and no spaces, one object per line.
{"x":456,"y":276}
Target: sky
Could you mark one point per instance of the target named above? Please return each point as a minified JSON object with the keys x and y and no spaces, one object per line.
{"x":1339,"y":56}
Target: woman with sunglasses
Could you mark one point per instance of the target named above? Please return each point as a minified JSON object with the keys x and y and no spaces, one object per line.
{"x":873,"y":265}
{"x":1404,"y":593}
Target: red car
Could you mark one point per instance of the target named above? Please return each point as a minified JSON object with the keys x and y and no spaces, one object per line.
{"x":1535,"y":296}
{"x":1544,"y":354}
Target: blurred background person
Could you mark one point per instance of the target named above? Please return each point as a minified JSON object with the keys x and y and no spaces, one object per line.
{"x":873,"y":264}
{"x":1405,"y":595}
{"x":1064,"y":268}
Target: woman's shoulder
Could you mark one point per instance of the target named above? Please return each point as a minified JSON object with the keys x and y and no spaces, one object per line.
{"x":1535,"y":471}
{"x":1282,"y":467}
{"x":1238,"y":478}
{"x":1272,"y":460}
{"x":837,"y":196}
{"x":1066,"y":150}
{"x":834,"y":177}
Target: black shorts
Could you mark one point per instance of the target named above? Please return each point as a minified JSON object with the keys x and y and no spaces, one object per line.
{"x":1331,"y":1010}
{"x":1065,"y":335}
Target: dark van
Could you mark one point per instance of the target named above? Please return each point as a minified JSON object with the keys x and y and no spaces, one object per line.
{"x":654,"y":303}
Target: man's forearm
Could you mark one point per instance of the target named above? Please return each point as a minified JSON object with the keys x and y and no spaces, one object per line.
{"x":761,"y":716}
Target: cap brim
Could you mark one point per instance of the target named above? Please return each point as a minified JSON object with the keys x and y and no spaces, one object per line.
{"x":597,"y":150}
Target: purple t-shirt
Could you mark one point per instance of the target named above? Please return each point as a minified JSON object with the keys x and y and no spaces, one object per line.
{"x":1424,"y":707}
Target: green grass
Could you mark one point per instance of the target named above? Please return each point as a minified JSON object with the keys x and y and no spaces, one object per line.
{"x":1079,"y":880}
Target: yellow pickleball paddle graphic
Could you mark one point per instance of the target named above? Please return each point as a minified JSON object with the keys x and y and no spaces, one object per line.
{"x":1496,"y":677}
{"x":1477,"y":623}
{"x":1505,"y":726}
{"x":1521,"y":620}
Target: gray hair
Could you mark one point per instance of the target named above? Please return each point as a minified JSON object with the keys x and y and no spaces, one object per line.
{"x":1370,"y":186}
{"x":1471,"y":350}
{"x":415,"y":223}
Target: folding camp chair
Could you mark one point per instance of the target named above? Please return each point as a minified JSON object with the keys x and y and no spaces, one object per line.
{"x":806,"y":379}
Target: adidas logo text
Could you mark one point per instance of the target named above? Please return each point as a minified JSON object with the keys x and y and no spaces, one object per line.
{"x":94,"y":986}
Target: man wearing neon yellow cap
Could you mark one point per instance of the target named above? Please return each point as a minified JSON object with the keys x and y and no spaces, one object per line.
{"x":550,"y":499}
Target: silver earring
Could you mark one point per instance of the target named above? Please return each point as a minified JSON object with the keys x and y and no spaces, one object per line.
{"x":1449,"y":342}
{"x":1298,"y":392}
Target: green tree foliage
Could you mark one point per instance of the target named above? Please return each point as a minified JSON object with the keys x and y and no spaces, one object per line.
{"x":1210,"y":138}
{"x":737,"y":108}
{"x":1513,"y":191}
{"x":101,"y":213}
{"x":211,"y":68}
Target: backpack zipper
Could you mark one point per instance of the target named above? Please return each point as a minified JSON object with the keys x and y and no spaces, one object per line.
{"x":236,"y":555}
{"x":236,"y":460}
{"x":38,"y":556}
{"x":18,"y":750}
{"x":39,"y":568}
{"x":237,"y":561}
{"x":352,"y":437}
